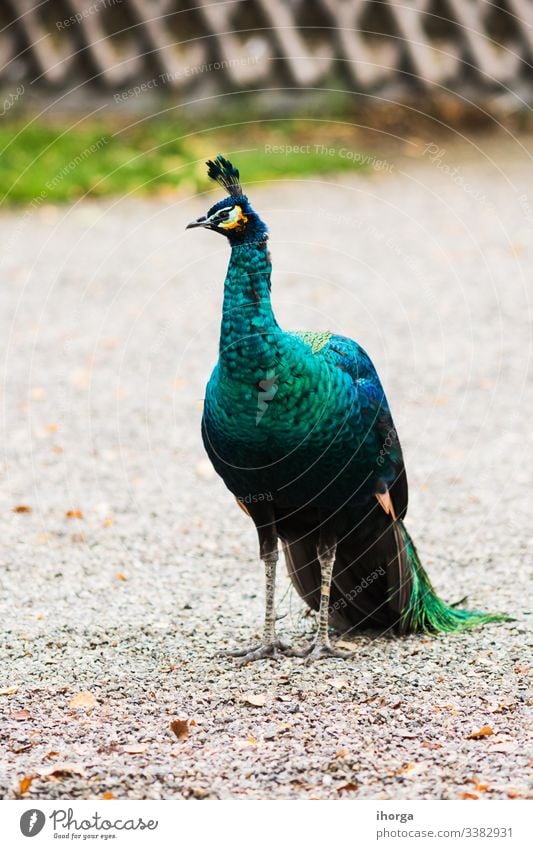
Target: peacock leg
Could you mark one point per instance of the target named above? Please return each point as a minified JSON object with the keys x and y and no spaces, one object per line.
{"x":321,"y":646}
{"x":270,"y":645}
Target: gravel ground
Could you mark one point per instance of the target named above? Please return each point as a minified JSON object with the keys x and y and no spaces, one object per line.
{"x":110,"y":317}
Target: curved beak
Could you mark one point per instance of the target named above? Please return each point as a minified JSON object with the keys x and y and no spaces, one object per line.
{"x":200,"y":222}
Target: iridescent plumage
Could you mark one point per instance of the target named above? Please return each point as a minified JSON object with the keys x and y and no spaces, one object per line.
{"x":298,"y":426}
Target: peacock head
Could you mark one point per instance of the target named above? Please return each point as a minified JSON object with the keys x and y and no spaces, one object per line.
{"x":234,"y":216}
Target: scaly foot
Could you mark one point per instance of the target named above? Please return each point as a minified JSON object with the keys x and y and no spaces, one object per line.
{"x":275,"y":649}
{"x":316,"y":651}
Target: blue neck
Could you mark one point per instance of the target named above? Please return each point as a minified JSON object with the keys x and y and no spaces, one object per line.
{"x":249,"y":329}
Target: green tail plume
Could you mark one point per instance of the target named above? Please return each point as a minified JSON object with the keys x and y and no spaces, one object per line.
{"x":426,"y":611}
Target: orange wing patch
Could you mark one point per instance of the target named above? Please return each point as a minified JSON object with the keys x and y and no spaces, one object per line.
{"x":385,"y":501}
{"x":242,"y":506}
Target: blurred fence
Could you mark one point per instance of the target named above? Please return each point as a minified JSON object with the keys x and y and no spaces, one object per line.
{"x":371,"y":46}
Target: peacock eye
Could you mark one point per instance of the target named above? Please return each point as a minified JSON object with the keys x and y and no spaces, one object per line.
{"x":229,"y":218}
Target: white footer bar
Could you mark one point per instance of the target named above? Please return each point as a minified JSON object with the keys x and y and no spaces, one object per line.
{"x":265,"y":824}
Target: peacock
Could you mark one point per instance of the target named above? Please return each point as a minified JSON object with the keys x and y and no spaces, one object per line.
{"x":298,"y":427}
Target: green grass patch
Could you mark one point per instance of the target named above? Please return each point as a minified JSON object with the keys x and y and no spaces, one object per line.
{"x":61,"y":163}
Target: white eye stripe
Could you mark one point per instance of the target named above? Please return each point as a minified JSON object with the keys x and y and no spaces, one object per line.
{"x":227,"y":216}
{"x":222,"y":214}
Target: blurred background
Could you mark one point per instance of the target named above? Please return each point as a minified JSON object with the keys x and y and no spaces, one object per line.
{"x":378,"y":72}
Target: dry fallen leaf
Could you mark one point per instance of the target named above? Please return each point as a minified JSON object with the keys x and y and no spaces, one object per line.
{"x":22,"y":508}
{"x":120,"y":576}
{"x":25,"y":783}
{"x":468,"y":796}
{"x":62,"y":768}
{"x":108,"y":796}
{"x":200,"y":792}
{"x":484,"y":731}
{"x":349,"y":787}
{"x":8,"y":691}
{"x":412,"y":770}
{"x":135,"y":748}
{"x":503,"y":706}
{"x":255,"y":699}
{"x":406,"y":768}
{"x":74,"y":514}
{"x":85,"y":699}
{"x":21,"y":714}
{"x":23,"y":747}
{"x":180,"y":727}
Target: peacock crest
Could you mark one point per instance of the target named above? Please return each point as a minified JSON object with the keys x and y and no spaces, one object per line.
{"x":225,"y":174}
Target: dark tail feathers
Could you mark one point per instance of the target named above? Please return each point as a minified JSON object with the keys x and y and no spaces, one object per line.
{"x":378,"y":580}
